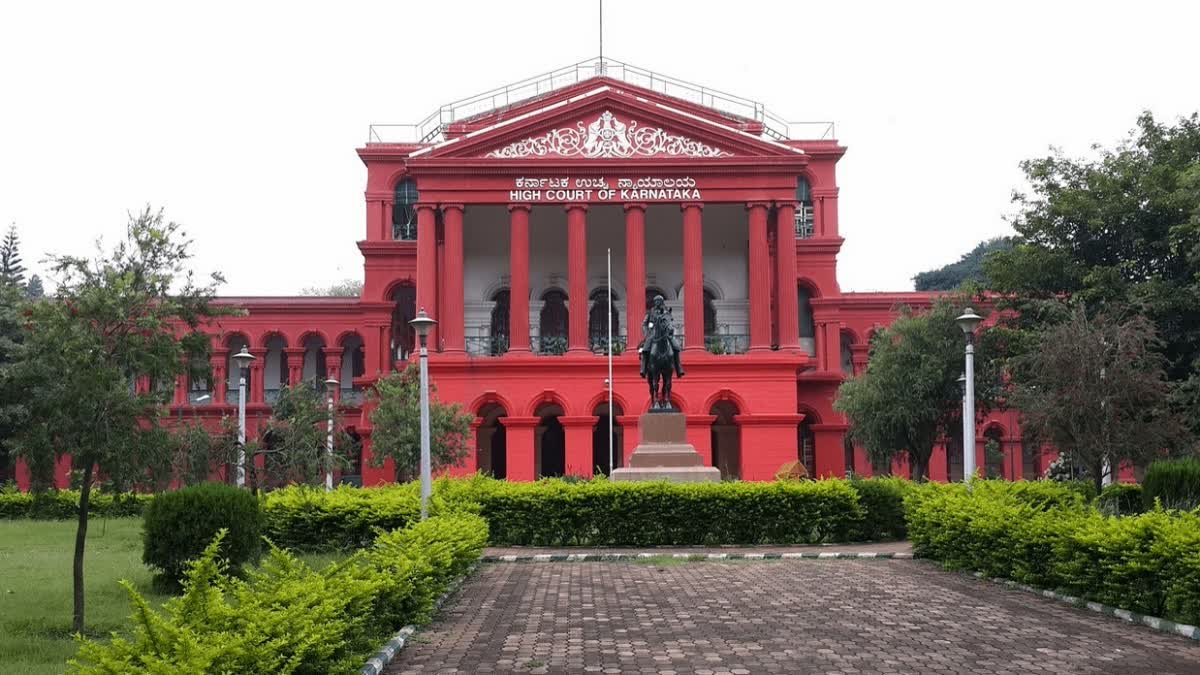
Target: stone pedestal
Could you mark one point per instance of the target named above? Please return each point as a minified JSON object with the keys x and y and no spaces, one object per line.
{"x":663,"y":453}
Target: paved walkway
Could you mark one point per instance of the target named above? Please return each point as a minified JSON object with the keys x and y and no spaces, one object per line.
{"x":522,"y":551}
{"x":791,"y":616}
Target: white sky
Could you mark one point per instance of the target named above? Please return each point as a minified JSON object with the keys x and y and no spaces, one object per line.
{"x":241,"y":118}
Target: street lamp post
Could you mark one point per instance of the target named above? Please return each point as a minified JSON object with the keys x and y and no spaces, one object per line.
{"x":243,"y":359}
{"x":968,"y":322}
{"x":421,"y":324}
{"x":330,"y":385}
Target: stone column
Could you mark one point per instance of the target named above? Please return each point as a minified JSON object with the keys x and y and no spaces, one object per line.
{"x":451,"y":321}
{"x":829,"y":450}
{"x":577,"y":290}
{"x":693,"y":276}
{"x":333,"y":369}
{"x":832,"y":346}
{"x":760,"y":278}
{"x":635,"y":274}
{"x":519,"y":443}
{"x":257,"y":390}
{"x":785,"y":284}
{"x":295,"y":363}
{"x":427,"y":292}
{"x":767,"y":443}
{"x":518,"y":271}
{"x":219,"y":362}
{"x":577,"y":432}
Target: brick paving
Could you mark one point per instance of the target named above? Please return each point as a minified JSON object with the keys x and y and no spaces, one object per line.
{"x":863,"y":617}
{"x":880,"y":547}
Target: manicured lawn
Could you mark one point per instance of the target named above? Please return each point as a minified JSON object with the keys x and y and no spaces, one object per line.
{"x":35,"y":587}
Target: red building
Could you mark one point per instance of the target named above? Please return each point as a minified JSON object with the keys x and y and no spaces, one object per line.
{"x":496,"y":213}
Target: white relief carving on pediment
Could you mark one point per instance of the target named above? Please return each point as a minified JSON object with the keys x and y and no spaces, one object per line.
{"x":607,"y":137}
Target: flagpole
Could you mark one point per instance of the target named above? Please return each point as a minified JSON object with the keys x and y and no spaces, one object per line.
{"x":610,"y":372}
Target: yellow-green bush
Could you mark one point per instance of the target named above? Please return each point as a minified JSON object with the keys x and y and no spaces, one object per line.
{"x":287,"y":618}
{"x":1147,"y":563}
{"x":64,"y":504}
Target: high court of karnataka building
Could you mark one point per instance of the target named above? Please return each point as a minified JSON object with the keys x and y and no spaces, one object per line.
{"x":496,"y":215}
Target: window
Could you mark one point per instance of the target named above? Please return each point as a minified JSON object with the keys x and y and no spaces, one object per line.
{"x":804,"y":212}
{"x":554,"y":314}
{"x":404,"y":211}
{"x":710,"y":314}
{"x":498,"y":330}
{"x":597,"y":324}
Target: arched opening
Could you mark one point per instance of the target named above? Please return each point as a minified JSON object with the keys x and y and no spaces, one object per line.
{"x":353,"y":359}
{"x":808,"y":329}
{"x":993,"y":452}
{"x":710,"y":314}
{"x":403,"y":338}
{"x":550,"y":442}
{"x":275,"y":368}
{"x":498,"y":328}
{"x":597,"y":322}
{"x":404,"y":211}
{"x":847,"y":355}
{"x":314,"y":362}
{"x":552,"y":323}
{"x":600,"y":438}
{"x":492,"y":442}
{"x":806,"y":446}
{"x":804,"y":214}
{"x":234,"y":344}
{"x":726,"y":440}
{"x":352,"y":473}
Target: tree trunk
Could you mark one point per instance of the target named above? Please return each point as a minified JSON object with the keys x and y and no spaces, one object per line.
{"x":920,"y":466}
{"x":85,"y":493}
{"x":1098,"y":476}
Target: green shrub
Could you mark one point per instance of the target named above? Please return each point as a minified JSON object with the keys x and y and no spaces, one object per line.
{"x":882,"y":501}
{"x":64,"y":504}
{"x":1175,"y":483}
{"x":286,"y":617}
{"x":1148,"y":563}
{"x":1120,"y":499}
{"x":179,"y":525}
{"x":310,"y":519}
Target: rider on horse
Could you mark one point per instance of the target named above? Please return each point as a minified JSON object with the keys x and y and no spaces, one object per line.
{"x":657,"y":314}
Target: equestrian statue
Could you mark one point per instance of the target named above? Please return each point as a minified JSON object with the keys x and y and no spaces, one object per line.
{"x":659,"y":353}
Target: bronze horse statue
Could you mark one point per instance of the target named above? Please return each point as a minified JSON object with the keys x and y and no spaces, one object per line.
{"x":660,"y":363}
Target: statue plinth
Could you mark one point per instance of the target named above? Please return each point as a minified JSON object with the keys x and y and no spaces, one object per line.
{"x":663,"y":452}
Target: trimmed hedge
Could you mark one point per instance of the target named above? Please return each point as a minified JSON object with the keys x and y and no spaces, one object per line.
{"x":555,"y":512}
{"x":1148,"y":563}
{"x":64,"y":504}
{"x":882,"y":500}
{"x":310,"y":519}
{"x":178,"y":526}
{"x":1174,"y":483}
{"x":1120,"y":499}
{"x":286,"y":617}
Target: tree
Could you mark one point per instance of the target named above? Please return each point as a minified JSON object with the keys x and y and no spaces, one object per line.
{"x":126,"y":315}
{"x":12,"y":272}
{"x":969,"y":268}
{"x":396,"y":425}
{"x":1096,"y":390}
{"x":909,"y":398}
{"x":12,"y":411}
{"x":346,"y":288}
{"x":293,"y":442}
{"x":1120,"y":229}
{"x":33,"y":289}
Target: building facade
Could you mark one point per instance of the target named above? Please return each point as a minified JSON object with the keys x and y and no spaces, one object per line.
{"x":498,"y":214}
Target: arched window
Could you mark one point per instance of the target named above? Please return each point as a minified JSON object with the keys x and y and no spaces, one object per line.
{"x":847,"y":355}
{"x":404,"y":310}
{"x":710,"y":314}
{"x":404,"y":211}
{"x":552,"y":324}
{"x":808,"y":330}
{"x":498,"y":328}
{"x":804,"y":212}
{"x":597,"y":325}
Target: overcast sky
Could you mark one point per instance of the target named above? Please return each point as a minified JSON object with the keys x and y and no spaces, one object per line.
{"x":241,"y":118}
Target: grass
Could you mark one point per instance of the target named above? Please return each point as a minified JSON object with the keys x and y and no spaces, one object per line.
{"x":35,"y":587}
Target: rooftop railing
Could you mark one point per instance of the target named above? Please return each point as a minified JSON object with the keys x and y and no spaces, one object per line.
{"x":432,"y":129}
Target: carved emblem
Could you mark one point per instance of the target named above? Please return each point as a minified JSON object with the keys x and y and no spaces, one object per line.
{"x":607,"y":137}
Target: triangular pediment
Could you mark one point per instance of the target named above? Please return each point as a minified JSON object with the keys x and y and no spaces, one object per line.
{"x":607,"y":122}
